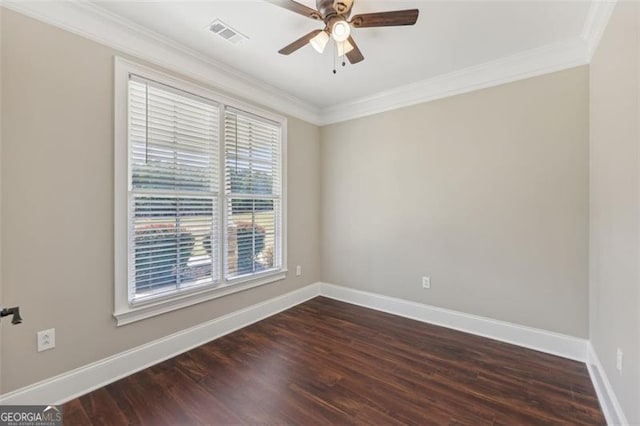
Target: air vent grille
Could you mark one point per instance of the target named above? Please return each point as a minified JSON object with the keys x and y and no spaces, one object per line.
{"x":226,"y":32}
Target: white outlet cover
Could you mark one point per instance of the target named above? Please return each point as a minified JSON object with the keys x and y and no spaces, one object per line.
{"x":619,"y":356}
{"x":426,"y":282}
{"x":298,"y":270}
{"x":46,"y":339}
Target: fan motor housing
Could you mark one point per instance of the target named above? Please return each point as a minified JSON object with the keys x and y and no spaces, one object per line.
{"x":331,"y":8}
{"x":342,"y":6}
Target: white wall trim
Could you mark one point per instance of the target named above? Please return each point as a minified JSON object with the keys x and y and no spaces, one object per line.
{"x":77,"y":382}
{"x":608,"y":401}
{"x":531,"y":63}
{"x":541,"y":340}
{"x":97,"y":24}
{"x":597,"y":19}
{"x":74,"y":383}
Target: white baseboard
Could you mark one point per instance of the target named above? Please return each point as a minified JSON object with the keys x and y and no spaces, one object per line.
{"x":80,"y":381}
{"x":69,"y":385}
{"x":608,"y":400}
{"x":528,"y":337}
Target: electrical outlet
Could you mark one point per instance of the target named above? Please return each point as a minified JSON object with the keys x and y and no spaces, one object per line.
{"x":619,"y":361}
{"x":426,"y":282}
{"x":46,"y":339}
{"x":298,"y":270}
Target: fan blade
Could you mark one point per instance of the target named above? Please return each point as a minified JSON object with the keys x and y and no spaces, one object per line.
{"x":355,"y":55}
{"x":287,"y":50}
{"x":296,"y":7}
{"x":386,"y":19}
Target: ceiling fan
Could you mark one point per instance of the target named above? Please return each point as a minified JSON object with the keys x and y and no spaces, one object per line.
{"x":335,"y":15}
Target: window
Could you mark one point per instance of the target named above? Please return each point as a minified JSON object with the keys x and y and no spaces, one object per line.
{"x":252,"y":188}
{"x":199,"y":198}
{"x":173,"y":143}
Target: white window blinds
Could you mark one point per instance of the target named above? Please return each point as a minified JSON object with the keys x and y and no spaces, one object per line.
{"x":253,"y":175}
{"x":174,"y":190}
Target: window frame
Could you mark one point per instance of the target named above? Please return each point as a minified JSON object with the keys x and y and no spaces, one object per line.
{"x":125,"y":311}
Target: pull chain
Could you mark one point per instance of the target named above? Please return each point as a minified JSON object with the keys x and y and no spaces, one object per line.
{"x":335,"y":54}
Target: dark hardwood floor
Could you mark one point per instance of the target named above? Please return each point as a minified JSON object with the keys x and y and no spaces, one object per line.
{"x":327,"y":362}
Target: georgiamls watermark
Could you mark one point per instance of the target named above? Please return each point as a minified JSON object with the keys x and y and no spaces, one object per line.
{"x":30,"y":415}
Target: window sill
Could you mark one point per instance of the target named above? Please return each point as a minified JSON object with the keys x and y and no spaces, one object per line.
{"x":143,"y":310}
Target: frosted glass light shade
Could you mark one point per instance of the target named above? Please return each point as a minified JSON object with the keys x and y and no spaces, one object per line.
{"x":319,"y":42}
{"x":341,"y":31}
{"x":344,"y":47}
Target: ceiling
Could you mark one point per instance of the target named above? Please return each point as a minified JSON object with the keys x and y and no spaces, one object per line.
{"x":455,"y":47}
{"x":449,"y":36}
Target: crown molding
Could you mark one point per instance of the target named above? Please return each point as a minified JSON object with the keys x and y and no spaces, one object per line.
{"x":97,"y":24}
{"x":597,"y":19}
{"x":531,"y":63}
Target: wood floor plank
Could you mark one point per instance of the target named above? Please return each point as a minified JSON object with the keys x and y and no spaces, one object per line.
{"x":328,"y":362}
{"x":74,"y":413}
{"x":102,"y":408}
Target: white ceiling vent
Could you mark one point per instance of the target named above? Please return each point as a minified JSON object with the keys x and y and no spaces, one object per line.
{"x":226,"y":32}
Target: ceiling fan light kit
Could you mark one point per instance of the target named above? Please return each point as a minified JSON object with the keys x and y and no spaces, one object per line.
{"x":340,"y":30}
{"x":319,"y":42}
{"x":344,"y":47}
{"x":335,"y":14}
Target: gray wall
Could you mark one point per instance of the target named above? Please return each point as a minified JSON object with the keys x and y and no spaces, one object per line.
{"x":486,"y":193}
{"x":57,"y":207}
{"x":615,"y":204}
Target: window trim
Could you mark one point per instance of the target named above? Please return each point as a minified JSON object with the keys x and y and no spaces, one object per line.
{"x":126,"y":312}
